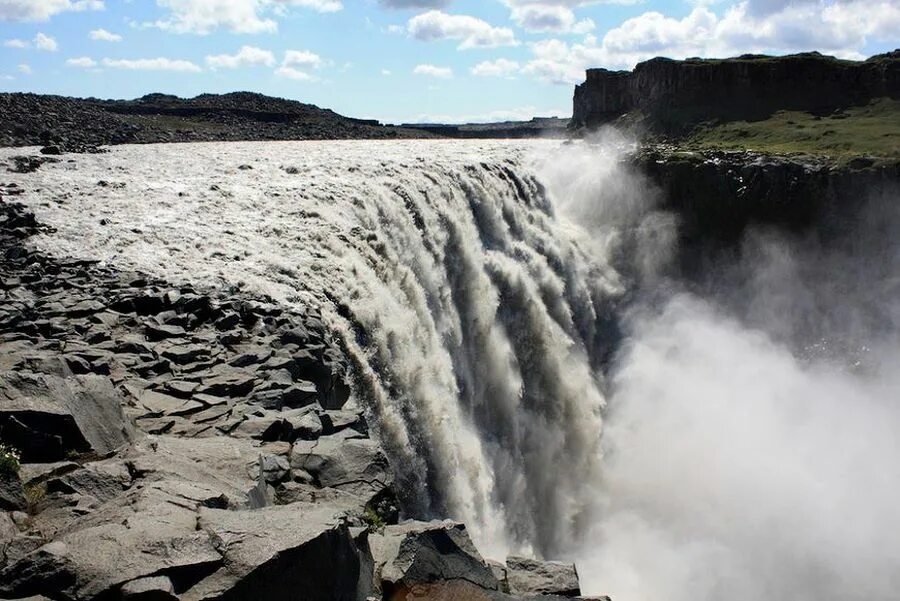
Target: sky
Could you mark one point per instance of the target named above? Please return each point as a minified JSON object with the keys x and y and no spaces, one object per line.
{"x":404,"y":60}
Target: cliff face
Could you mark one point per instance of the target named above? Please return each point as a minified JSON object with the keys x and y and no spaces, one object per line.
{"x":673,"y":95}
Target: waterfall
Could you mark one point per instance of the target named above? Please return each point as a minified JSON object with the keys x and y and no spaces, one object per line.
{"x":478,"y":329}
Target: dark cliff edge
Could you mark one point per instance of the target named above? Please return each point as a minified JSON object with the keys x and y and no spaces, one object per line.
{"x":75,"y":124}
{"x":670,"y":97}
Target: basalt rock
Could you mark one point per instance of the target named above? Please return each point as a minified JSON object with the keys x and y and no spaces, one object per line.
{"x":671,"y":96}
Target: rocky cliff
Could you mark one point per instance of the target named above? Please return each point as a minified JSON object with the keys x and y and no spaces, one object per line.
{"x":670,"y":96}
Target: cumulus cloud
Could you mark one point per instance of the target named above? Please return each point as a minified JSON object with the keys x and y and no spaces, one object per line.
{"x":434,"y":71}
{"x":15,"y":43}
{"x":841,"y":28}
{"x":301,"y":58}
{"x":26,"y":69}
{"x":247,"y":56}
{"x":41,"y":10}
{"x":152,"y":64}
{"x":238,"y":16}
{"x":547,"y":18}
{"x":296,"y":64}
{"x":45,"y":42}
{"x":414,"y":3}
{"x":501,"y":67}
{"x":471,"y":32}
{"x":102,"y":35}
{"x":83,"y":62}
{"x":295,"y":74}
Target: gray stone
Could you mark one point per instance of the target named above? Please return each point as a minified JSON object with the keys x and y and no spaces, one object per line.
{"x":304,"y":424}
{"x":154,"y":588}
{"x":46,"y":417}
{"x":352,"y":464}
{"x":283,"y":553}
{"x":427,"y":552}
{"x":535,"y":577}
{"x":12,"y":495}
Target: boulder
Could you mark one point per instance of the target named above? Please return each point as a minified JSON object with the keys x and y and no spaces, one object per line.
{"x":284,"y":553}
{"x":535,"y":577}
{"x":417,"y":553}
{"x":12,"y":495}
{"x":47,"y":417}
{"x":344,"y":461}
{"x":152,"y":531}
{"x":154,"y":588}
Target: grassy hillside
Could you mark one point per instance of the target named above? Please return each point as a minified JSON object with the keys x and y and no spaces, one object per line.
{"x":872,"y":130}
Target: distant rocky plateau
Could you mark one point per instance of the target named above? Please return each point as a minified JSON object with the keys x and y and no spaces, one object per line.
{"x":78,"y":124}
{"x":672,"y":96}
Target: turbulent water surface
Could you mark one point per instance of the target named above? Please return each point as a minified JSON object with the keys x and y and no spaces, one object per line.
{"x":502,"y":300}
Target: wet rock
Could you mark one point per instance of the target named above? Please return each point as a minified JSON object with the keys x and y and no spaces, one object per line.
{"x":418,"y":553}
{"x":47,"y":417}
{"x":354,"y":465}
{"x":534,"y":577}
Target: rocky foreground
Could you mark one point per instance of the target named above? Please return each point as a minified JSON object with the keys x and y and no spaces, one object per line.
{"x":181,"y":443}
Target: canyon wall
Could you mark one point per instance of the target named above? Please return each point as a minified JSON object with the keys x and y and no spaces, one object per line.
{"x":673,"y":95}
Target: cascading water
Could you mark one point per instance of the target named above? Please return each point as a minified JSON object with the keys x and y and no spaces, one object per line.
{"x":528,"y":362}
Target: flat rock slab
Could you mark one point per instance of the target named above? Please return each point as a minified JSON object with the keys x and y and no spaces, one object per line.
{"x":533,"y":577}
{"x":417,"y":553}
{"x":46,"y":417}
{"x":281,"y":554}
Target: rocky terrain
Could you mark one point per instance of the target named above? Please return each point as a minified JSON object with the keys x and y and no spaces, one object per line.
{"x":76,"y":124}
{"x":539,"y":127}
{"x":666,"y":96}
{"x":179,"y":443}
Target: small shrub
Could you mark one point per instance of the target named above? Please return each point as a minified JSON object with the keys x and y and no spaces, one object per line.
{"x":374,"y":521}
{"x":9,"y":460}
{"x":34,"y":495}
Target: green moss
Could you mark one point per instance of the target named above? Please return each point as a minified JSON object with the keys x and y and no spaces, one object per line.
{"x":871,"y":130}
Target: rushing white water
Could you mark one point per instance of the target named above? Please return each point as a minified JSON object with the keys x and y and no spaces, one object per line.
{"x":474,"y":284}
{"x":472,"y":313}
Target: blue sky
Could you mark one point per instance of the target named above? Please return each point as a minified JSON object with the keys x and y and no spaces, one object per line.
{"x":403,"y":60}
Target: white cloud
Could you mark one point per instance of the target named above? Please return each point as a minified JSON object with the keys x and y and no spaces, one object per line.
{"x":45,"y":42}
{"x":238,"y":16}
{"x":295,"y":74}
{"x":104,"y":36}
{"x":524,"y":113}
{"x":548,"y":18}
{"x":152,"y":64}
{"x":301,"y":58}
{"x":205,"y":16}
{"x":842,"y":28}
{"x":295,"y":63}
{"x":414,"y":3}
{"x":247,"y":56}
{"x":501,"y":67}
{"x":41,"y":10}
{"x":469,"y":31}
{"x":434,"y":71}
{"x":26,"y":69}
{"x":386,"y":72}
{"x":15,"y":43}
{"x":322,"y":6}
{"x":83,"y":62}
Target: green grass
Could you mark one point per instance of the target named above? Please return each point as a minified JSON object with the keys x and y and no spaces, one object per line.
{"x":871,"y":130}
